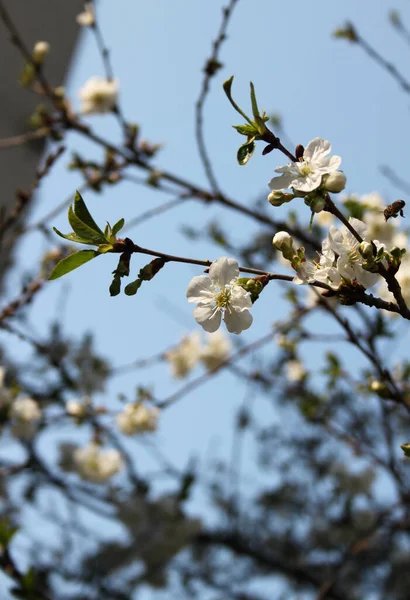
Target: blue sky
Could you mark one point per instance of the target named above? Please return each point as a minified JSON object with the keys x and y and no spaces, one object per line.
{"x":320,"y":87}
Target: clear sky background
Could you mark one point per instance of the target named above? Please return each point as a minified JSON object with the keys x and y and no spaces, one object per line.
{"x":320,"y":86}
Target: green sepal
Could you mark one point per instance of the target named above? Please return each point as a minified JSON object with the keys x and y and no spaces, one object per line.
{"x":71,"y":237}
{"x":83,"y":214}
{"x":245,"y":152}
{"x":132,"y":288}
{"x":72,"y":262}
{"x":83,"y":230}
{"x":118,"y":226}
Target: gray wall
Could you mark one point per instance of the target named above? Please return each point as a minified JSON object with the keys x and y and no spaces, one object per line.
{"x":53,"y":21}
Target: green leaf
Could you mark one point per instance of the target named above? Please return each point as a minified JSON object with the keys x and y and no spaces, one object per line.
{"x":227,"y":86}
{"x":72,"y":262}
{"x":245,"y":152}
{"x":83,"y":230}
{"x":255,"y":108}
{"x":115,"y":286}
{"x":132,"y":288}
{"x":83,"y":213}
{"x":118,"y":226}
{"x":108,"y":232}
{"x":72,"y":237}
{"x":248,"y":130}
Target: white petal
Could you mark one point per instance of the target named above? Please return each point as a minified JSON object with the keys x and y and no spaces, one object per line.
{"x":207,"y":317}
{"x":238,"y":321}
{"x":223,"y":271}
{"x":329,"y":164}
{"x":240,"y":299}
{"x":281,"y":183}
{"x":309,"y":183}
{"x":316,"y":148}
{"x":199,"y":289}
{"x":359,"y":226}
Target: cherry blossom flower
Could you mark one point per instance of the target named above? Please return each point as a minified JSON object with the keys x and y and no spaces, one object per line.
{"x":349,"y":262}
{"x":306,"y":174}
{"x":97,"y":465}
{"x":98,"y":95}
{"x":137,"y":418}
{"x":216,"y":295}
{"x":185,"y":356}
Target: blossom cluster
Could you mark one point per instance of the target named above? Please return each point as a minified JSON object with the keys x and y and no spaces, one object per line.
{"x":341,"y":261}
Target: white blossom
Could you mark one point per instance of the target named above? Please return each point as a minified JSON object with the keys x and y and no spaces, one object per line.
{"x":295,"y":370}
{"x":96,"y":464}
{"x":218,"y":295}
{"x":98,"y":95}
{"x":349,"y":262}
{"x":323,"y":271}
{"x":185,"y":356}
{"x":87,"y":17}
{"x":306,"y":174}
{"x":137,"y":418}
{"x":216,"y":350}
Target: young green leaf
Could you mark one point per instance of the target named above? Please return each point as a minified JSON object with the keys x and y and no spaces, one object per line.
{"x":83,"y":213}
{"x":83,"y":230}
{"x":245,"y":152}
{"x":118,"y":226}
{"x":71,"y":237}
{"x":72,"y":262}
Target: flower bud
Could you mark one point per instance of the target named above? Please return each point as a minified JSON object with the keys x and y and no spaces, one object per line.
{"x":41,"y":49}
{"x":335,"y":182}
{"x":366,"y":250}
{"x":317,"y":204}
{"x":282,"y":241}
{"x":277,"y":198}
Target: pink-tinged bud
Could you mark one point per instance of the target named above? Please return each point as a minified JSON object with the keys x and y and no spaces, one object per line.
{"x":335,"y":182}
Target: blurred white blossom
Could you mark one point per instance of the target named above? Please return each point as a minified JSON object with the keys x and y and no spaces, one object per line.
{"x":96,"y":464}
{"x":25,"y":414}
{"x":98,"y":95}
{"x":87,"y":17}
{"x":185,"y":356}
{"x":295,"y":370}
{"x":137,"y":418}
{"x":216,"y":350}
